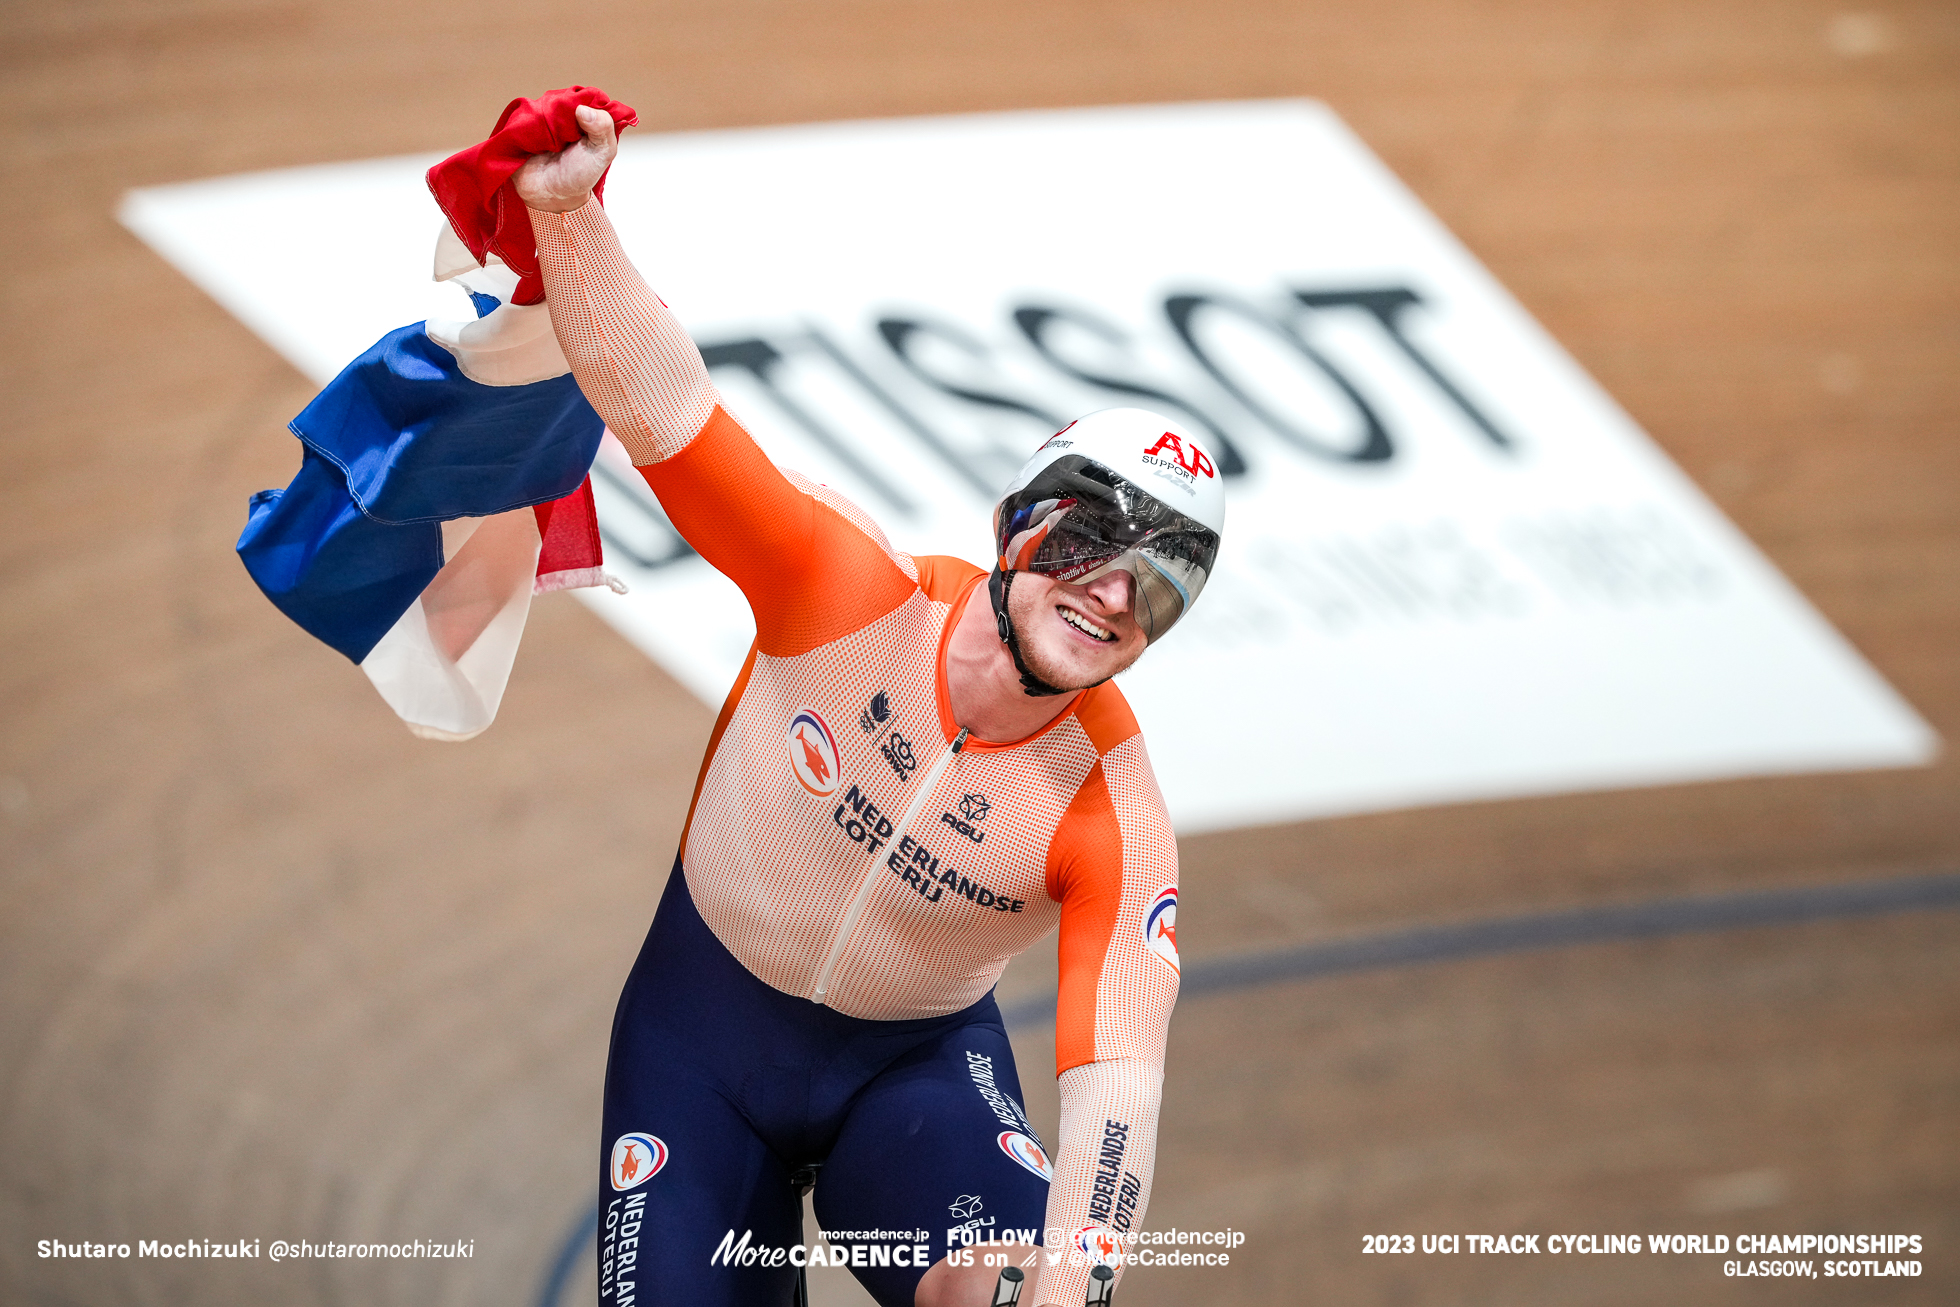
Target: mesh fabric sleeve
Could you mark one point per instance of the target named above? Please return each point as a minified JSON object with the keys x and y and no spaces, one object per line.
{"x":783,"y":542}
{"x":1113,"y":868}
{"x":632,"y":358}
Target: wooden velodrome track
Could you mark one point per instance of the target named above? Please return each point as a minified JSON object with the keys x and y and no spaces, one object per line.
{"x":272,"y":968}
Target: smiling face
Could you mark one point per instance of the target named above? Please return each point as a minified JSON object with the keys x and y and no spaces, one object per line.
{"x":1073,"y":636}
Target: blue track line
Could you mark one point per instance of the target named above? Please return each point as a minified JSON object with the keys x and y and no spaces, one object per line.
{"x":580,"y":1238}
{"x":1600,"y":924}
{"x":1606,"y":923}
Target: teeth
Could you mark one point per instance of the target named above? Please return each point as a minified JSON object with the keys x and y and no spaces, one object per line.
{"x":1081,"y":623}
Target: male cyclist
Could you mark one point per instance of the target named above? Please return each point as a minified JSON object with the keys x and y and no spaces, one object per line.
{"x":920,"y":770}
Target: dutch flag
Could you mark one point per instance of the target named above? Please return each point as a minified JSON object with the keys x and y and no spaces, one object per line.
{"x":443,"y":483}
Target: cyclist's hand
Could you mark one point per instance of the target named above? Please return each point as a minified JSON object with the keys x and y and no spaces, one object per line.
{"x":563,"y":181}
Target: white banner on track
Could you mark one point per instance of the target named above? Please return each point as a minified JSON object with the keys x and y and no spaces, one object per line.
{"x":1453,"y":568}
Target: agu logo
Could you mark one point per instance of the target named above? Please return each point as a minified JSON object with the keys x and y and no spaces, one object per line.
{"x":1101,"y":1243}
{"x":813,"y":753}
{"x":1160,"y":925}
{"x":636,"y":1159}
{"x":1027,"y":1152}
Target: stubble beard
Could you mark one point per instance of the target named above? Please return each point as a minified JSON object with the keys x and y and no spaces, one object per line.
{"x":1028,"y":613}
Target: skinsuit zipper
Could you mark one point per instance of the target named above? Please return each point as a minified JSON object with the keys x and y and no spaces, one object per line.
{"x":871,"y":875}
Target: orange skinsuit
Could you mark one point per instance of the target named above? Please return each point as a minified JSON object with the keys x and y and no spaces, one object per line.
{"x":842,"y":708}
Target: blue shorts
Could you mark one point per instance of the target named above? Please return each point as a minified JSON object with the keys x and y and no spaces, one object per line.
{"x":719,"y":1088}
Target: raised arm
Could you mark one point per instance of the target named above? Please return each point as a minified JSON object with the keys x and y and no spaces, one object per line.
{"x":782,"y":541}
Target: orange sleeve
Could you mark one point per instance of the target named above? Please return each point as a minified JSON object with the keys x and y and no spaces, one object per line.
{"x":812,"y":566}
{"x":1085,"y":875}
{"x":811,"y":574}
{"x":1113,"y":857}
{"x":1113,"y":868}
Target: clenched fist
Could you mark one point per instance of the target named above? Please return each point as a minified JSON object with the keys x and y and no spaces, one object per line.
{"x":563,"y":181}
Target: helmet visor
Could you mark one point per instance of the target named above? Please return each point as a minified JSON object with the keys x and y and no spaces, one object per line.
{"x":1077,"y":520}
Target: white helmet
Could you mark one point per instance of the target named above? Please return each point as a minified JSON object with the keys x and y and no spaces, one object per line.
{"x":1120,"y":489}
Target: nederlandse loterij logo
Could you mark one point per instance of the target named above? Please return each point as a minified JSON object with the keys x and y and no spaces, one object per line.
{"x":1027,"y":1152}
{"x":813,"y":753}
{"x":1100,"y":1242}
{"x":1160,"y":925}
{"x":636,"y":1159}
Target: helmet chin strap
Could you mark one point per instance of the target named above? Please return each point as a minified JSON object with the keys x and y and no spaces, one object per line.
{"x":999,"y":586}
